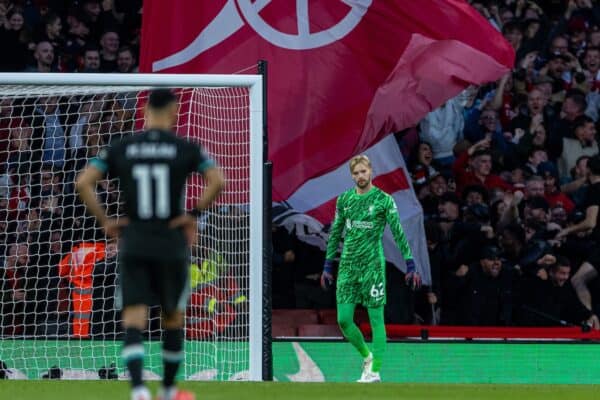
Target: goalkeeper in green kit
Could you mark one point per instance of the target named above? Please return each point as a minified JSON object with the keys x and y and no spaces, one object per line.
{"x":363,"y":212}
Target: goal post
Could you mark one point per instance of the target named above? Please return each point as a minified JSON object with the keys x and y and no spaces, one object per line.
{"x":50,"y":125}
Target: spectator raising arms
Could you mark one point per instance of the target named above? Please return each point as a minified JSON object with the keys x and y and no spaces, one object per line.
{"x":474,"y":167}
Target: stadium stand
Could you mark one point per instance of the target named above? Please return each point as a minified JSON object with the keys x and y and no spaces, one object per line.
{"x":505,"y":173}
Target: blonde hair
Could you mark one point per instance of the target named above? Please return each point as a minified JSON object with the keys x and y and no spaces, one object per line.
{"x":360,"y":159}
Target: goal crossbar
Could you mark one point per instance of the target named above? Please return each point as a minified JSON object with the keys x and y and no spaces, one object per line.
{"x":154,"y":80}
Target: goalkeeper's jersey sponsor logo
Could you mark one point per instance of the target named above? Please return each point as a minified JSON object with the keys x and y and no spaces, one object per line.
{"x":359,"y":224}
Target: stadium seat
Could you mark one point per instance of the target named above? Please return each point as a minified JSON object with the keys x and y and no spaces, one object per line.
{"x":329,"y":316}
{"x":284,"y":331}
{"x":294,"y":318}
{"x":319,"y":330}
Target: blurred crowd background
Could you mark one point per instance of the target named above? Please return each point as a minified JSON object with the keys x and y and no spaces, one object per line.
{"x":508,"y":173}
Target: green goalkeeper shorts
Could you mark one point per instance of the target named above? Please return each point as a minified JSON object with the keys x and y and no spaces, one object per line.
{"x":361,"y":285}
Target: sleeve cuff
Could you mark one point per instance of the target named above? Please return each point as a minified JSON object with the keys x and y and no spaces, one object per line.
{"x":204,"y":165}
{"x":99,"y":164}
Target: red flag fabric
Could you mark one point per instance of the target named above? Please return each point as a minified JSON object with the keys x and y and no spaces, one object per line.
{"x":342,"y":73}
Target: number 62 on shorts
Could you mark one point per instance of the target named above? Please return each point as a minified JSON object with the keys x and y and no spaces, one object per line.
{"x":377,"y":291}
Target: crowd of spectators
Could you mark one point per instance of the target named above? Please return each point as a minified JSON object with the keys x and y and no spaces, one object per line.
{"x":45,"y":141}
{"x":508,"y":174}
{"x":69,"y":36}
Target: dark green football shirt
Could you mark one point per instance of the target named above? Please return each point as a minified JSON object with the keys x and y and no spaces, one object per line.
{"x":363,"y":217}
{"x":152,"y":168}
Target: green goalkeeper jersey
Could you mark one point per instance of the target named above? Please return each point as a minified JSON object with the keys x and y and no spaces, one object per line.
{"x":363,"y":218}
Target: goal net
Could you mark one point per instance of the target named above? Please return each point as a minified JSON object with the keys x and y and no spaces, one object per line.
{"x":59,"y":274}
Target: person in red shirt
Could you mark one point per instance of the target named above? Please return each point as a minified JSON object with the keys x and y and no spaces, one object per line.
{"x":552,"y":192}
{"x":474,"y":167}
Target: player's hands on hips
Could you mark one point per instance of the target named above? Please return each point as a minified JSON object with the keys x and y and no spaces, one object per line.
{"x":189,"y":224}
{"x":412,"y":278}
{"x":327,"y":275}
{"x":113,"y":226}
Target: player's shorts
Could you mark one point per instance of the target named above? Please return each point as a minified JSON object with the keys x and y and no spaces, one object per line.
{"x":153,"y":282}
{"x":361,"y":285}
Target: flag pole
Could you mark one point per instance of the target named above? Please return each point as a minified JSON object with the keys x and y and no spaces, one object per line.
{"x":267,"y":370}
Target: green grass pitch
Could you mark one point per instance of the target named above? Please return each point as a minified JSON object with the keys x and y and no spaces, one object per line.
{"x":109,"y":390}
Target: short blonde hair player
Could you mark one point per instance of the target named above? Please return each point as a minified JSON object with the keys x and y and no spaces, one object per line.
{"x":362,"y":213}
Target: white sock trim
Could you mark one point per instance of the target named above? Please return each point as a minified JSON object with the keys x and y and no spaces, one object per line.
{"x":132,"y":352}
{"x":172,"y":356}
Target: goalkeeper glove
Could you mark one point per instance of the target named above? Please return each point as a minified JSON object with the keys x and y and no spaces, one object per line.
{"x":412,"y":278}
{"x":327,"y":275}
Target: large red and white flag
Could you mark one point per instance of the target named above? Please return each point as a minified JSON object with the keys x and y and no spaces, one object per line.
{"x":343,"y":74}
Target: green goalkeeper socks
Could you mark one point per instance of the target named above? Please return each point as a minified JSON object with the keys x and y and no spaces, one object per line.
{"x":379,"y":336}
{"x":345,"y":317}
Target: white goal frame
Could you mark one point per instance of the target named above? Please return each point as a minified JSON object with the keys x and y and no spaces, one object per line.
{"x":254,"y":83}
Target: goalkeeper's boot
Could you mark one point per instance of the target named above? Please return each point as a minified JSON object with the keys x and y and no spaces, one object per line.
{"x":370,"y":377}
{"x":141,"y":393}
{"x":367,"y":366}
{"x":175,"y":394}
